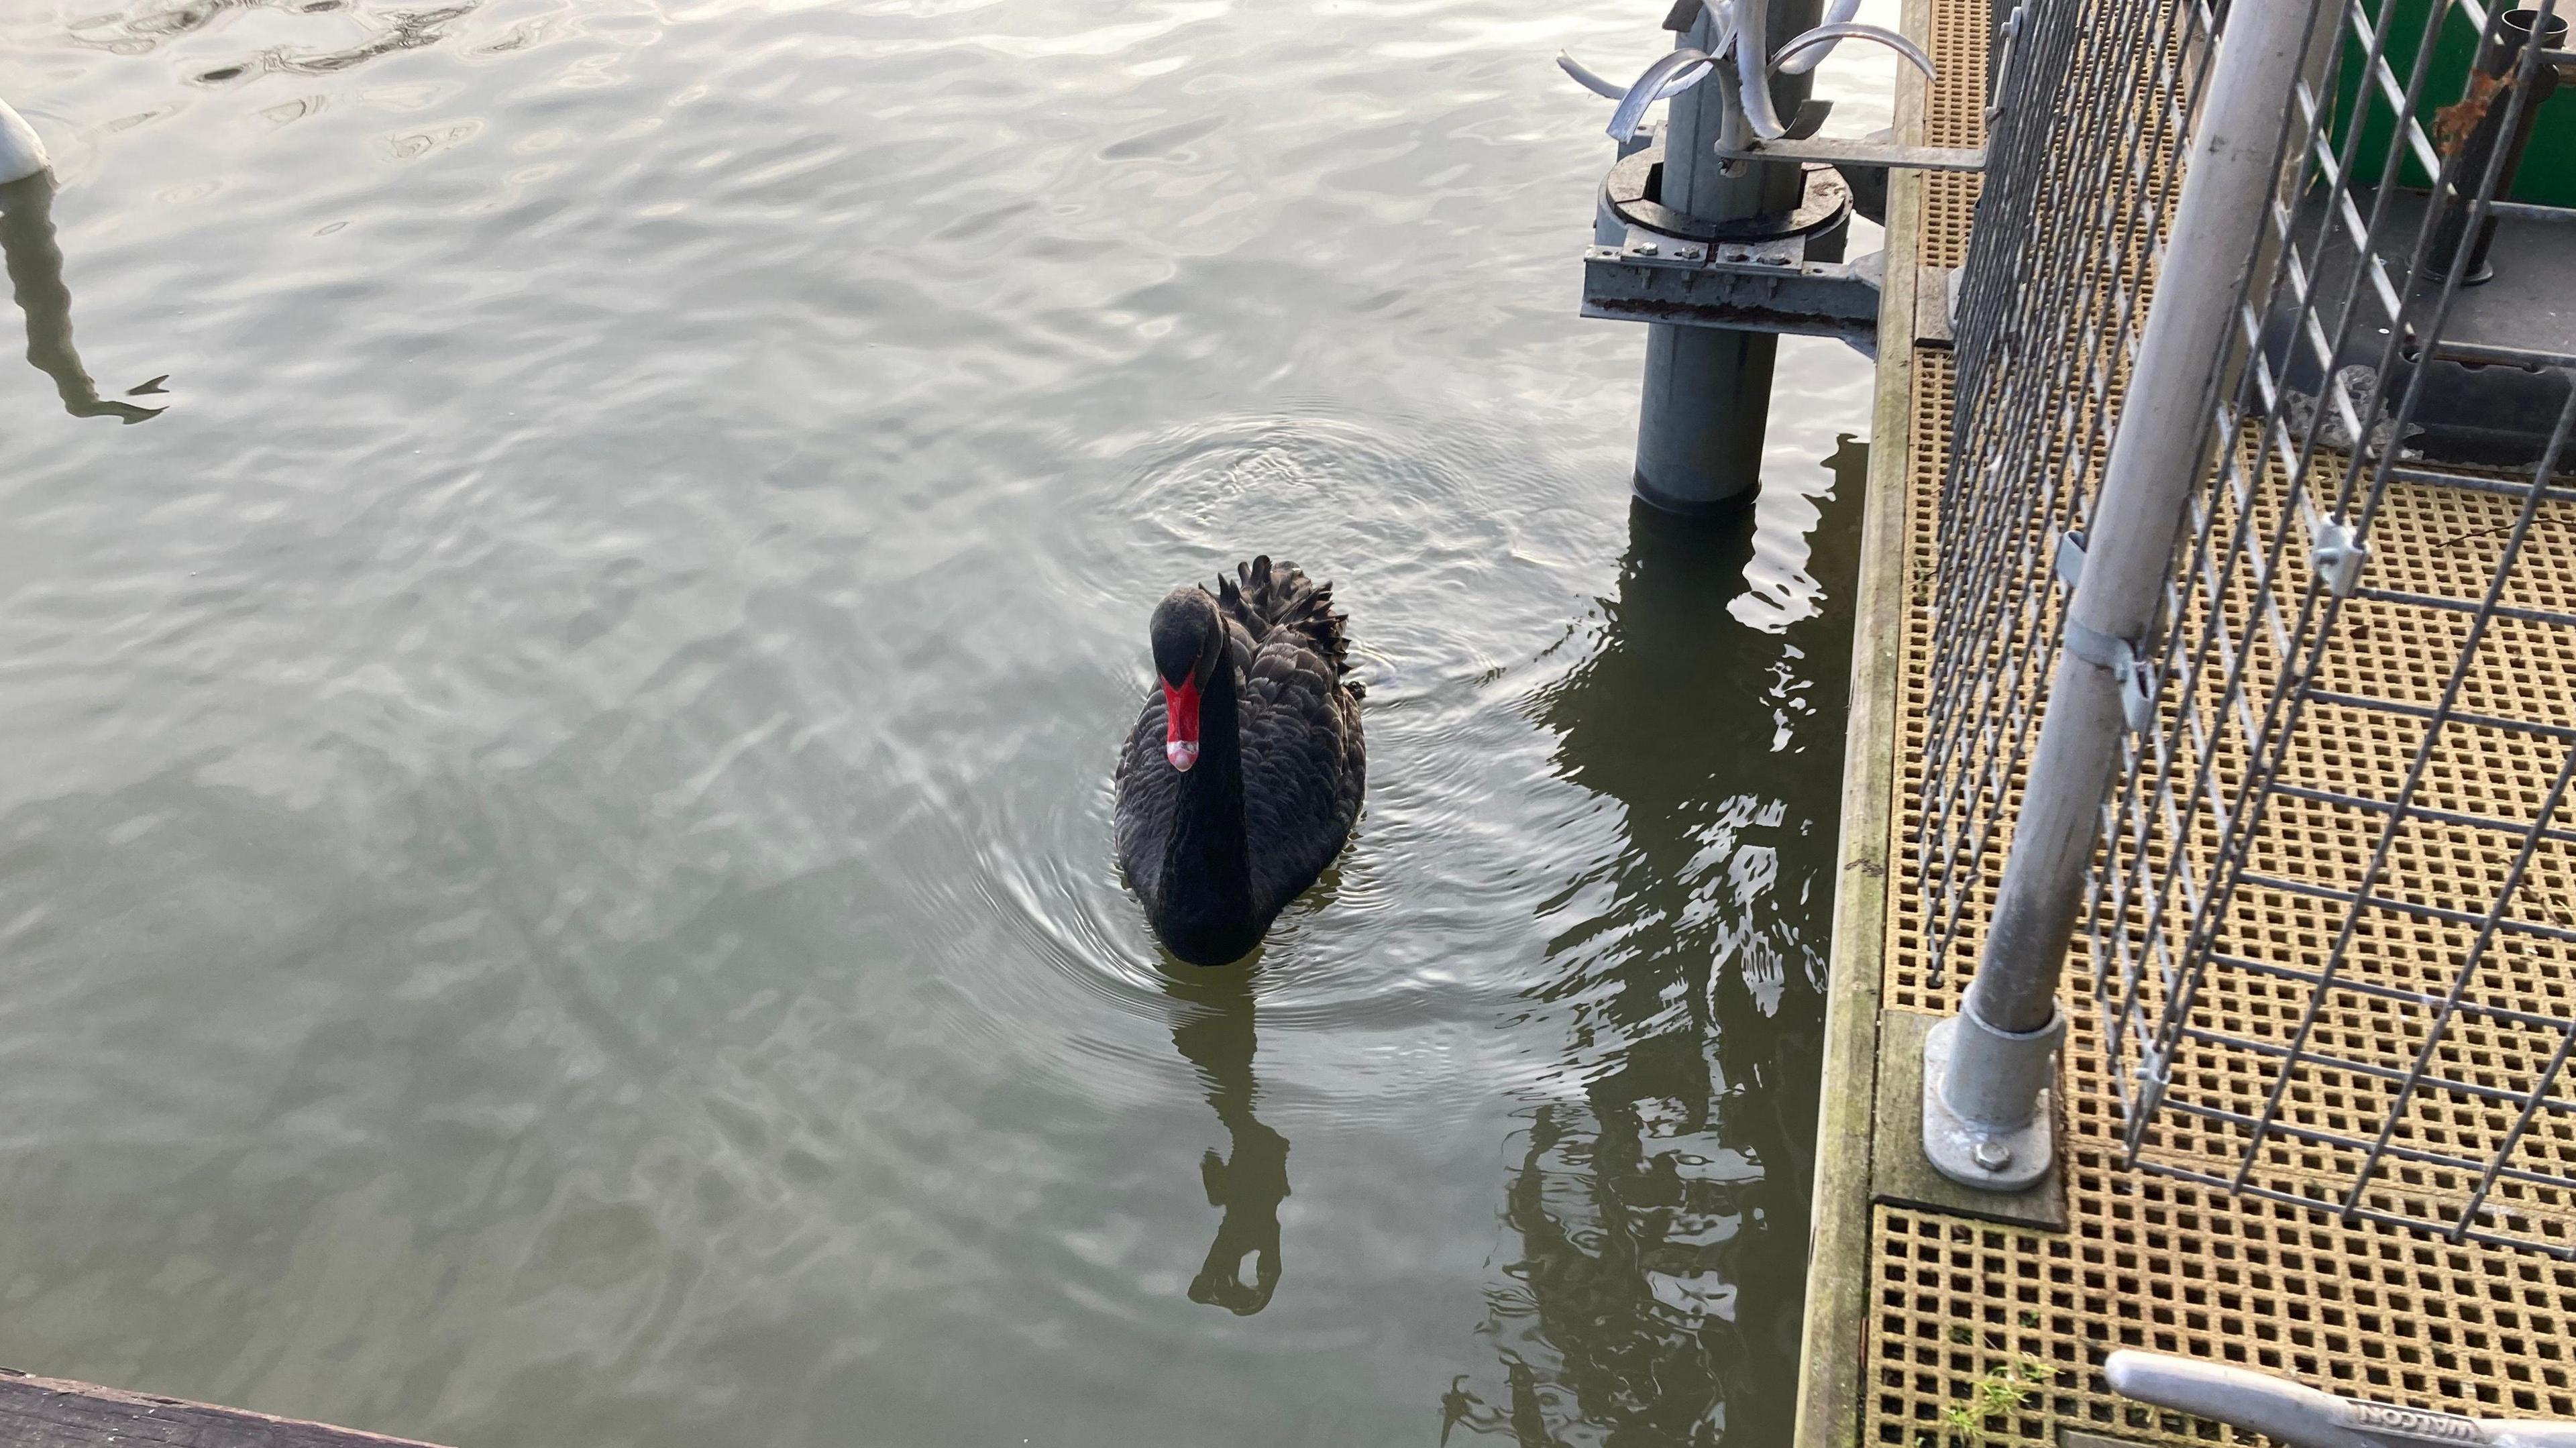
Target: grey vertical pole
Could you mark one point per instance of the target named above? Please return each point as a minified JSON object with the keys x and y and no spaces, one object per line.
{"x":1708,"y":391}
{"x":1987,"y":1069}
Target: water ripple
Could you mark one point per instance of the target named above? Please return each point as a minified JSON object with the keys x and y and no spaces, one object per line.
{"x":557,"y":865}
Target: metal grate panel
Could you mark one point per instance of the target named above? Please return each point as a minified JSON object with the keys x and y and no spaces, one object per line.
{"x":2225,"y":1246}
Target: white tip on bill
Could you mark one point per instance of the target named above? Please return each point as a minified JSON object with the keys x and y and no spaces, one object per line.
{"x":1181,"y":755}
{"x":22,"y":154}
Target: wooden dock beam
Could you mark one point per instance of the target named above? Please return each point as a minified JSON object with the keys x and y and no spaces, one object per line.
{"x":58,"y":1413}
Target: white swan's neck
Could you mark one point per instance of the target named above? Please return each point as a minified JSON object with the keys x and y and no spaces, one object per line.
{"x":22,"y":154}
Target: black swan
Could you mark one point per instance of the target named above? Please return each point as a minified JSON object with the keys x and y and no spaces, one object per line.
{"x":1245,"y":771}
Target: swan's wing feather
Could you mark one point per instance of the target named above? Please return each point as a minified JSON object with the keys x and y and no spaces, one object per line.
{"x":1303,"y":768}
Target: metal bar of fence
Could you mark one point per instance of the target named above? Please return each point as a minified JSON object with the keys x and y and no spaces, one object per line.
{"x":2485,"y":355}
{"x":2314,"y":1136}
{"x":2361,"y":900}
{"x":2462,"y":605}
{"x":2395,"y":994}
{"x":2564,"y":1251}
{"x":2528,"y":211}
{"x":2463,"y":717}
{"x":2325,"y":1062}
{"x":2468,"y":482}
{"x":2422,"y":812}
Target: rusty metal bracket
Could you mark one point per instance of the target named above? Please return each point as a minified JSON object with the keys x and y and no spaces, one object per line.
{"x":1860,"y":151}
{"x":1769,"y":294}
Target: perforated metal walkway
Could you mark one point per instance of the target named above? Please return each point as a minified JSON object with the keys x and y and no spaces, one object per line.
{"x":1930,"y":1329}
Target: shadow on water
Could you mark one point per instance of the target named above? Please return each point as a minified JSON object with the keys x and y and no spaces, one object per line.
{"x":36,"y":279}
{"x":1661,"y":1195}
{"x":1214,"y":1032}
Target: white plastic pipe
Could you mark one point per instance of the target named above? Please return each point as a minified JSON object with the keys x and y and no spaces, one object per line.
{"x":2157,"y":453}
{"x":22,"y":153}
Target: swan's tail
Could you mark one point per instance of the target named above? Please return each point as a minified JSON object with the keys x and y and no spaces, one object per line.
{"x":1266,"y":597}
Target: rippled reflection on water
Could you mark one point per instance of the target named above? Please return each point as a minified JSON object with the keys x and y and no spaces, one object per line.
{"x":1662,"y":1214}
{"x":556,"y":868}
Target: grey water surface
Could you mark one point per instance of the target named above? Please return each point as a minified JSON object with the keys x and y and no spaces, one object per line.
{"x":572,"y":577}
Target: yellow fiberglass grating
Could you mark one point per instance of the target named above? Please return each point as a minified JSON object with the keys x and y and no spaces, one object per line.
{"x":2379,"y":1010}
{"x":1953,"y":115}
{"x":1985,"y":1334}
{"x":1909,"y":984}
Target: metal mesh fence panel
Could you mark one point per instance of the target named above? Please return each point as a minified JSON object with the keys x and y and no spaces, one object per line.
{"x":2089,"y":105}
{"x":2331,"y":934}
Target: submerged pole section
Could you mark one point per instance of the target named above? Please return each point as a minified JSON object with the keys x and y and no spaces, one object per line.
{"x":1707,"y":395}
{"x":1987,"y":1069}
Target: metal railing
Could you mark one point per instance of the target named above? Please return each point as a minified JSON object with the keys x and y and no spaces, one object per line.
{"x":2329,"y":903}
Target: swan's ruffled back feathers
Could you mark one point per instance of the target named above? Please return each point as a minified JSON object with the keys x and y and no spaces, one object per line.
{"x":1266,"y":599}
{"x":1305,"y":763}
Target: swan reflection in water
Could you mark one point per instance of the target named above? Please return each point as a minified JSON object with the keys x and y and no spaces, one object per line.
{"x":36,"y":280}
{"x":1214,"y":1033}
{"x":1661,"y":1208}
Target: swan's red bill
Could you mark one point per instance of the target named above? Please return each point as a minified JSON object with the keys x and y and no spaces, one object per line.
{"x":1181,"y":715}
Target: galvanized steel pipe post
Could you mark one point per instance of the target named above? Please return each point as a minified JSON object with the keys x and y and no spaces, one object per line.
{"x":1987,"y":1069}
{"x":1707,"y":396}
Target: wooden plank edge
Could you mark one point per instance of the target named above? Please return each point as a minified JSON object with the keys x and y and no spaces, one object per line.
{"x":1833,"y":1338}
{"x":60,"y":1413}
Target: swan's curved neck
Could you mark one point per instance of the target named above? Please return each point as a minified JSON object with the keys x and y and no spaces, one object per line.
{"x":1207,"y":868}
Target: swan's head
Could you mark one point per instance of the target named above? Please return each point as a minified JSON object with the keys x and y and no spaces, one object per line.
{"x":1188,"y":640}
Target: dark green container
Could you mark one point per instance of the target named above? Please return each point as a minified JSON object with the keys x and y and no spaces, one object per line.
{"x":2548,"y":175}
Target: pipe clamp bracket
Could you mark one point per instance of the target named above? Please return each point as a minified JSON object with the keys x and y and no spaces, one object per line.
{"x":2128,"y":665}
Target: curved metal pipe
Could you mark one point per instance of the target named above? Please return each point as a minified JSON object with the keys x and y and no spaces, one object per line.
{"x":1603,"y":86}
{"x":1671,"y":74}
{"x":1752,"y":68}
{"x":1825,"y":36}
{"x":1840,"y":13}
{"x":1588,"y":78}
{"x":2304,"y":1417}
